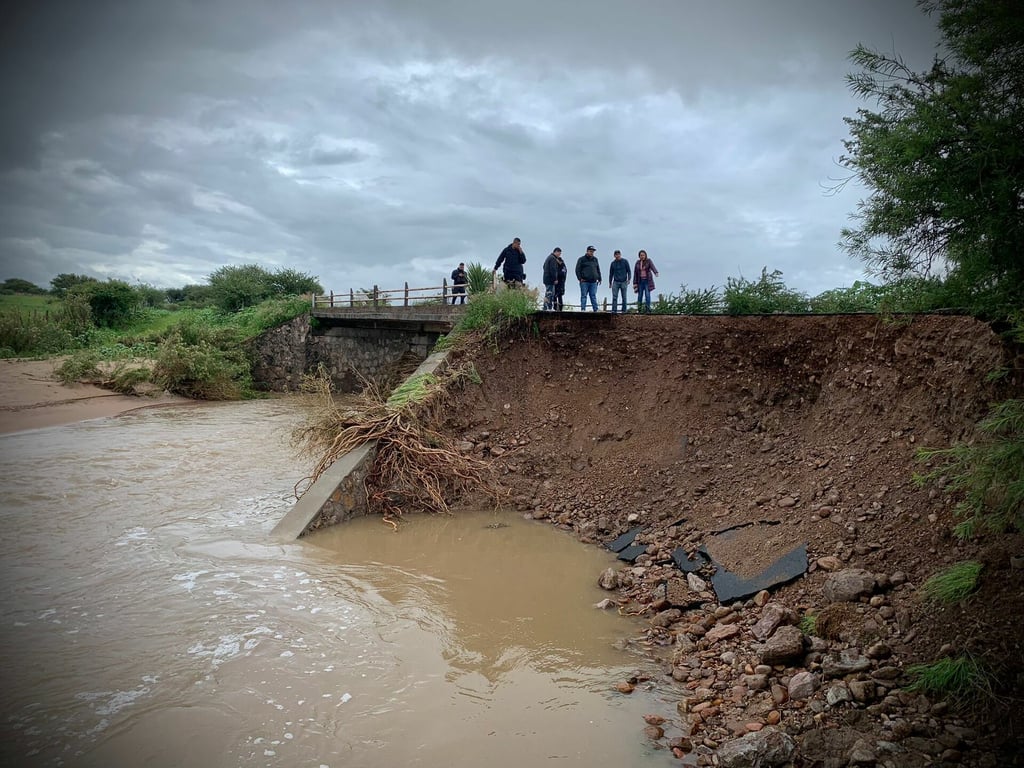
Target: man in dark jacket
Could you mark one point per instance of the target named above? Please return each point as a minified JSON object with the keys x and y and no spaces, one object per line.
{"x":513,"y":257}
{"x":618,"y":279}
{"x":588,"y":272}
{"x":459,"y":281}
{"x":555,"y":272}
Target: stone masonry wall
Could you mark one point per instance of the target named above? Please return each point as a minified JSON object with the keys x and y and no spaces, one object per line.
{"x":282,"y":355}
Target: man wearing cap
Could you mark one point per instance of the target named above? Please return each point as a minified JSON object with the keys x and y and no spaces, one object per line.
{"x":588,"y":272}
{"x":459,"y":281}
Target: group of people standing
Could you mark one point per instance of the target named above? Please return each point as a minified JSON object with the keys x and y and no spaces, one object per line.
{"x":588,"y":273}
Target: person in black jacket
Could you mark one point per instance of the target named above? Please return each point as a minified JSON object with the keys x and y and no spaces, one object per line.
{"x":618,"y":278}
{"x":588,"y":272}
{"x":513,"y":257}
{"x":555,"y":272}
{"x":459,"y":281}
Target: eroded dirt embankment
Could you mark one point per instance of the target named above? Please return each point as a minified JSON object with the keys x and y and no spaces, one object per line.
{"x":808,"y":424}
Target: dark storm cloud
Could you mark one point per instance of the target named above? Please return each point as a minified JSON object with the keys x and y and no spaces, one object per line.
{"x":378,"y":142}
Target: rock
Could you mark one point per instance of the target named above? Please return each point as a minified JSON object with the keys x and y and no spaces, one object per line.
{"x":849,"y":661}
{"x":696,"y":583}
{"x":605,"y":604}
{"x":722,"y":632}
{"x":848,"y":585}
{"x":772,"y":616}
{"x":665,"y":618}
{"x":608,"y":579}
{"x":829,"y":563}
{"x":766,"y":748}
{"x":624,"y":687}
{"x":861,"y":753}
{"x":802,"y":686}
{"x":756,"y":682}
{"x":679,"y":594}
{"x":837,"y":694}
{"x":762,"y":597}
{"x":654,"y":732}
{"x":785,"y":645}
{"x":862,"y":690}
{"x":878,"y":651}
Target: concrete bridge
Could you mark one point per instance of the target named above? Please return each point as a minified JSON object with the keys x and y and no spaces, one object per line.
{"x":367,"y":335}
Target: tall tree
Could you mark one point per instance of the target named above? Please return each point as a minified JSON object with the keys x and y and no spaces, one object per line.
{"x":943,"y":156}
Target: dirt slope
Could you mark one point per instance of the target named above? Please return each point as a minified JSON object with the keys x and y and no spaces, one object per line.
{"x":692,"y":425}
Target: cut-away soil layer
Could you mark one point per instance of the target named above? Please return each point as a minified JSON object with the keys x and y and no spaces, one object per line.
{"x":791,"y":431}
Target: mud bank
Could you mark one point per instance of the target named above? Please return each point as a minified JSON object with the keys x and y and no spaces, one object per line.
{"x":801,"y":431}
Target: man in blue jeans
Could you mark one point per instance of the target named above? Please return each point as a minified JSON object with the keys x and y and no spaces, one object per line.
{"x":588,"y":272}
{"x":618,"y":279}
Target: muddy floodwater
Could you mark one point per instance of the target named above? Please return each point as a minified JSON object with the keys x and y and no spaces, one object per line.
{"x":148,"y":619}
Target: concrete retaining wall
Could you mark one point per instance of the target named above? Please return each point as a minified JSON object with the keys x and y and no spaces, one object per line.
{"x":339,"y":494}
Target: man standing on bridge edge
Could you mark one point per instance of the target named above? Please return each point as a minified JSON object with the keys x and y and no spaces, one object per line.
{"x":588,"y":272}
{"x":513,"y":257}
{"x":554,"y":280}
{"x":459,"y":282}
{"x":618,"y":279}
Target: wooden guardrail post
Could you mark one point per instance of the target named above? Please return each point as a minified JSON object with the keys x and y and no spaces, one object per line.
{"x":407,"y":294}
{"x":444,"y":291}
{"x":375,"y":291}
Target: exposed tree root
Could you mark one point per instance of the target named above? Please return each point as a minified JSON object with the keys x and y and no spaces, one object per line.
{"x":415,"y":469}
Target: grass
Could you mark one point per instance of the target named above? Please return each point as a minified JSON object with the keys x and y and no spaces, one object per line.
{"x":27,"y":302}
{"x":953,"y":584}
{"x":495,"y":315}
{"x":415,"y":389}
{"x":988,"y":472}
{"x":809,"y":624}
{"x":964,"y":679}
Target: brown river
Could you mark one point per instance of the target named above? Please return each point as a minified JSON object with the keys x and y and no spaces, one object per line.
{"x":149,"y":620}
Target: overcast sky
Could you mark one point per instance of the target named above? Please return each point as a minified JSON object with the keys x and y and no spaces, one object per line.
{"x":382,"y":142}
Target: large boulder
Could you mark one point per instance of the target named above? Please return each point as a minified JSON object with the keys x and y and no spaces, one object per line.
{"x":849,"y":585}
{"x":766,"y":748}
{"x":784,"y":646}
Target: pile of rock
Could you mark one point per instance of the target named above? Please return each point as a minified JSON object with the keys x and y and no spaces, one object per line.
{"x":755,"y":688}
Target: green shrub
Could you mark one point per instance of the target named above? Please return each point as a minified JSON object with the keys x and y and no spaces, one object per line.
{"x":962,"y":679}
{"x":202,"y":370}
{"x":989,"y":472}
{"x":65,"y":281}
{"x":17,"y":285}
{"x":860,"y":297}
{"x":113,"y":303}
{"x":767,"y":296}
{"x":84,"y":365}
{"x":914,"y":294}
{"x":237,"y":287}
{"x":253,"y":321}
{"x":706,"y":301}
{"x":28,"y":334}
{"x":481,"y":279}
{"x":289,"y":282}
{"x":953,"y":584}
{"x":126,"y":378}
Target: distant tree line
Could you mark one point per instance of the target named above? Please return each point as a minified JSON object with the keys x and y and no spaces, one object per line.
{"x":113,"y":302}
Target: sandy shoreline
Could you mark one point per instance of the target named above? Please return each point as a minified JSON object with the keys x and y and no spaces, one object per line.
{"x":31,"y":398}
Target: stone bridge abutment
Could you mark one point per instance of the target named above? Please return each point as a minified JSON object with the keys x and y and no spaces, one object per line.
{"x":348,"y":346}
